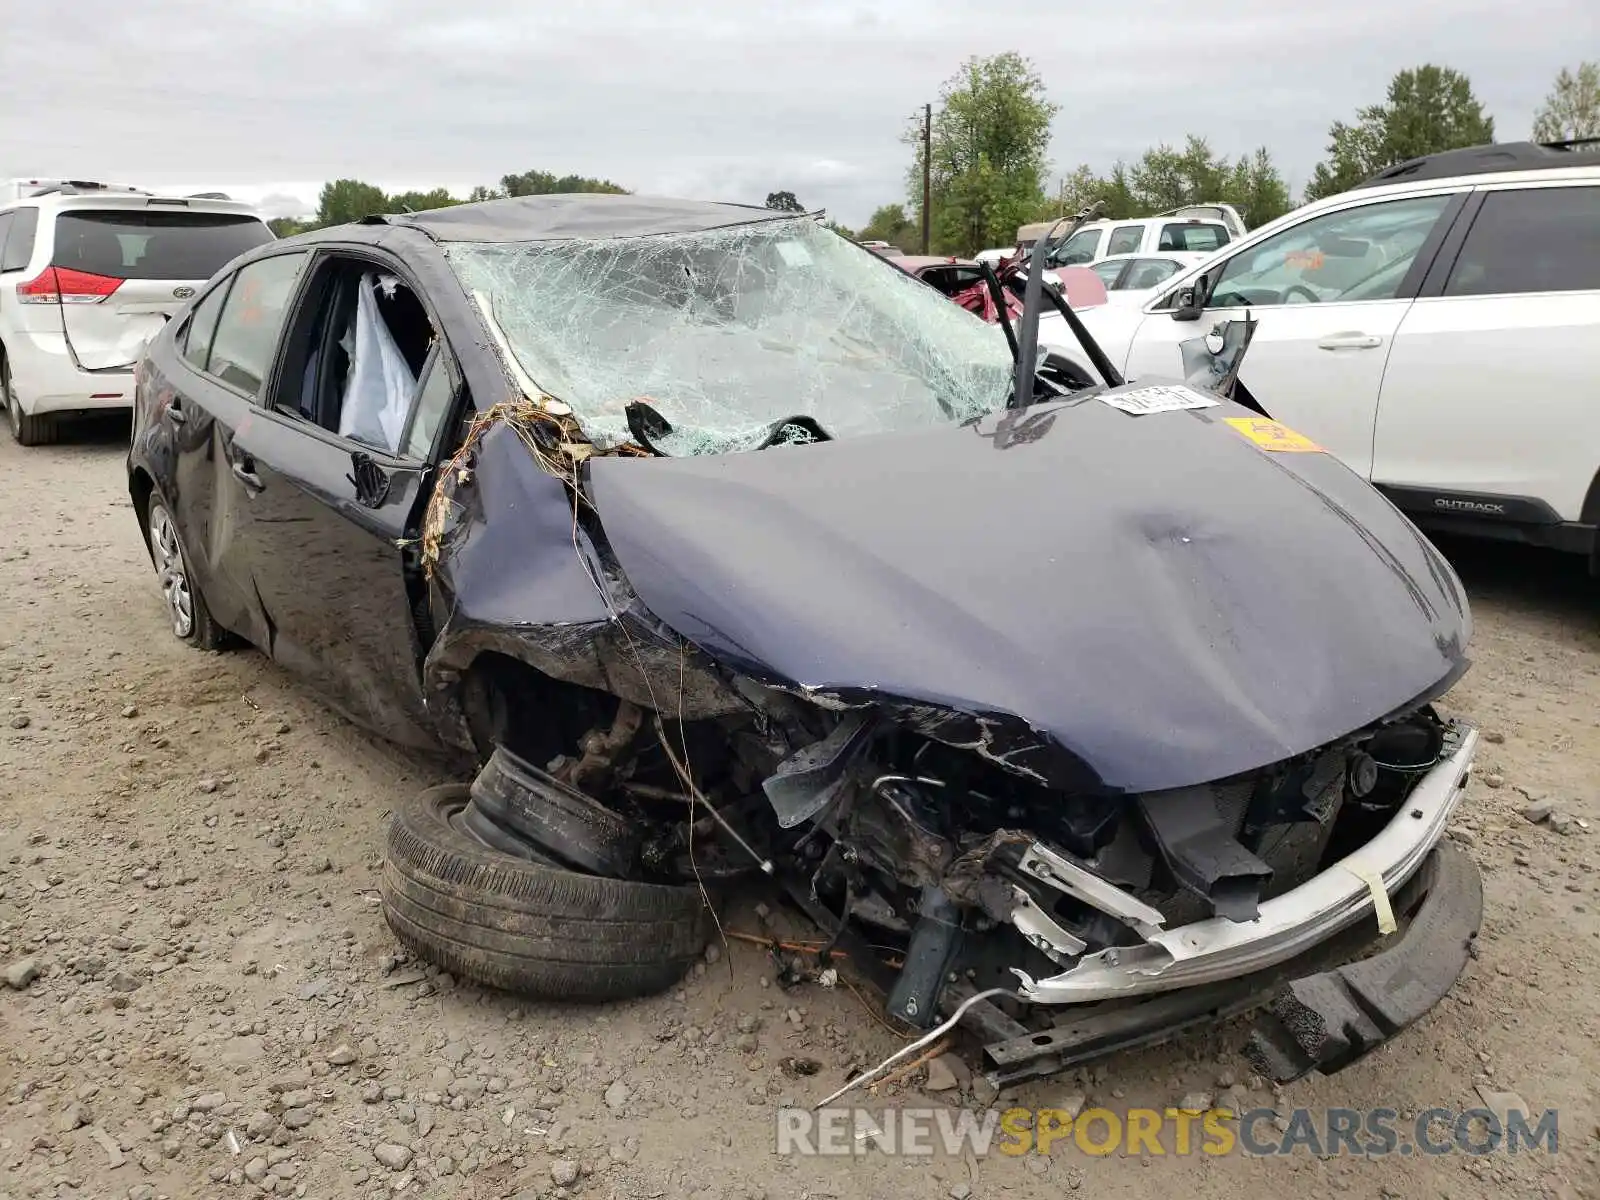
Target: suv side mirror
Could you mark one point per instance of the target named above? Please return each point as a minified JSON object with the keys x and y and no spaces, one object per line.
{"x":1190,"y":301}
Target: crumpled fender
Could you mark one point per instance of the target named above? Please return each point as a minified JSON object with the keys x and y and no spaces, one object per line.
{"x":518,"y":576}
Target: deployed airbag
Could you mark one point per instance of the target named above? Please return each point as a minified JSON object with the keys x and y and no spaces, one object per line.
{"x":380,"y":384}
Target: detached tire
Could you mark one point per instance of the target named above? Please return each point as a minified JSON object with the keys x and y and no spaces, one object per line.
{"x":525,"y":927}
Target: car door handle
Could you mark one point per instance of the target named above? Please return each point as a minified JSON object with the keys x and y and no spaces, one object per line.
{"x":1350,"y":341}
{"x":243,"y":473}
{"x":175,"y":412}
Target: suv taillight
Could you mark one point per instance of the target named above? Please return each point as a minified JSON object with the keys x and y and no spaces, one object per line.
{"x":63,"y":285}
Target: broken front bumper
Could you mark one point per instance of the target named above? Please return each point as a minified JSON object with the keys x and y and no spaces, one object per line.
{"x":1219,"y":949}
{"x":1322,"y":1021}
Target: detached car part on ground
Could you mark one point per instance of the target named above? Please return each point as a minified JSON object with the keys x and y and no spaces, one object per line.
{"x":743,"y":553}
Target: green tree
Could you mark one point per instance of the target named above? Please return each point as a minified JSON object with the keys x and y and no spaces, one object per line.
{"x":842,"y":230}
{"x":1428,"y":109}
{"x":542,"y":183}
{"x":1256,"y":189}
{"x":784,"y":202}
{"x":891,"y":224}
{"x":288,"y":226}
{"x":420,"y":201}
{"x":990,"y":135}
{"x":1083,"y":187}
{"x":346,"y":200}
{"x":1166,"y":178}
{"x":1572,"y":109}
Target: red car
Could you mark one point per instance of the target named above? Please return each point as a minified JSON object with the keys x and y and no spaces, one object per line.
{"x":962,"y":280}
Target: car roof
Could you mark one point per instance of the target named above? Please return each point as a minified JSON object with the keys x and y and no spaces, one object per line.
{"x":586,"y":216}
{"x":143,"y":201}
{"x":1489,"y":160}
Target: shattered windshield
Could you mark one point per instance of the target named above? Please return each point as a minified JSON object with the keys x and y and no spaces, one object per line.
{"x":728,"y":333}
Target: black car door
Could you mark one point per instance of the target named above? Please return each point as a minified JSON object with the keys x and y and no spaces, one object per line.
{"x":334,"y":489}
{"x":224,"y":353}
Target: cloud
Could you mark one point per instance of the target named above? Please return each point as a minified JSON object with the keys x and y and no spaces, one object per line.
{"x":281,"y":204}
{"x":718,"y":98}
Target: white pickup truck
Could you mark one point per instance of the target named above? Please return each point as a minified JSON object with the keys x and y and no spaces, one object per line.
{"x":1196,"y":229}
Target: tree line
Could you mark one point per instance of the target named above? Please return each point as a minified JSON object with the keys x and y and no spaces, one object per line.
{"x":988,"y":146}
{"x":988,"y":160}
{"x":342,"y":201}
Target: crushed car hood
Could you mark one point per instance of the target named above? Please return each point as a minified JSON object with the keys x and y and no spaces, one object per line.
{"x":1159,"y":595}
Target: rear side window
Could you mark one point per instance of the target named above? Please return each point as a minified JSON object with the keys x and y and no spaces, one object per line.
{"x":202,"y":325}
{"x":252,"y":317}
{"x":1151,"y":272}
{"x":138,"y":244}
{"x":1537,"y":240}
{"x":19,"y":241}
{"x":1125,"y":240}
{"x":1199,"y":238}
{"x":1108,"y":271}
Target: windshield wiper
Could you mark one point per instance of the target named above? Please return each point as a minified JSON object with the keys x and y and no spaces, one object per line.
{"x":1027,"y":337}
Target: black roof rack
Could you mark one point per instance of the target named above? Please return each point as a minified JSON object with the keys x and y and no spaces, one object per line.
{"x":1489,"y":160}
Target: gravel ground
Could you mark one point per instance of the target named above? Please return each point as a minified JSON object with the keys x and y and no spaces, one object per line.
{"x":189,"y":855}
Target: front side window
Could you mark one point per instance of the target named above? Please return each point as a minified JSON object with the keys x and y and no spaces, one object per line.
{"x":1354,"y":254}
{"x":1081,"y":247}
{"x":729,"y":333}
{"x":1532,"y":240}
{"x":1126,"y":239}
{"x":252,"y":318}
{"x":361,"y":345}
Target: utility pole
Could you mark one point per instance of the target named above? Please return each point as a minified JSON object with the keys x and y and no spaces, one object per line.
{"x":927,"y":171}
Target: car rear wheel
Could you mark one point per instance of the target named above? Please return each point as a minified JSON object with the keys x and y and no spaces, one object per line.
{"x":36,"y":430}
{"x":528,"y":926}
{"x":186,"y":608}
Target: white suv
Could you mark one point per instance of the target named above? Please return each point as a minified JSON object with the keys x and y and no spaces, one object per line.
{"x":88,"y":274}
{"x":1437,"y":328}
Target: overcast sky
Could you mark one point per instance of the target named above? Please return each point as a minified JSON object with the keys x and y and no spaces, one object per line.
{"x":717,"y":99}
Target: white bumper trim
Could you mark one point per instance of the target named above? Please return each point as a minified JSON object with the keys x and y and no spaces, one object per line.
{"x":1216,"y":948}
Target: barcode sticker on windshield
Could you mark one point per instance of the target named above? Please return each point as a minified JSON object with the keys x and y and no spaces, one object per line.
{"x":1159,"y":398}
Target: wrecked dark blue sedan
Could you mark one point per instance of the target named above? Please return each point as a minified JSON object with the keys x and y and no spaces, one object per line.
{"x":713,"y":547}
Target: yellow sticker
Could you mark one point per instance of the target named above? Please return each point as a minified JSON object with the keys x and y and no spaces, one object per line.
{"x":1270,"y":435}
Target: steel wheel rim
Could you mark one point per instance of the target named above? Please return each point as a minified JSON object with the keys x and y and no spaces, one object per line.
{"x":170,"y":570}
